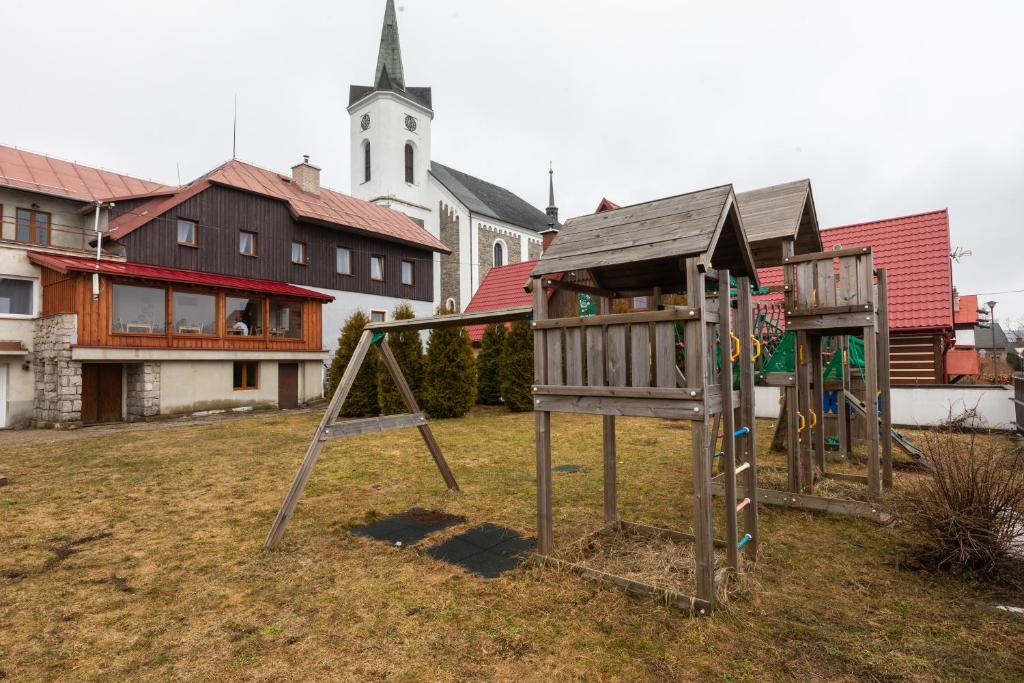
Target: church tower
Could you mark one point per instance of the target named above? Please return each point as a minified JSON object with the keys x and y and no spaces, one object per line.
{"x":390,"y":132}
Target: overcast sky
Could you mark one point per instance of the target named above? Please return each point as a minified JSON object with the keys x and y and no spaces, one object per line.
{"x":890,"y":108}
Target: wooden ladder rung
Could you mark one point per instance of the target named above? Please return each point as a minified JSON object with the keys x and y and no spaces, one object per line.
{"x":373,"y":424}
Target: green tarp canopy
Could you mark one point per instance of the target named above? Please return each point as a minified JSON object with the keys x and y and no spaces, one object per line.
{"x":784,"y":358}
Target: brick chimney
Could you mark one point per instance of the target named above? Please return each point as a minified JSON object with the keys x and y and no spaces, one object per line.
{"x":547,"y":237}
{"x":306,"y":176}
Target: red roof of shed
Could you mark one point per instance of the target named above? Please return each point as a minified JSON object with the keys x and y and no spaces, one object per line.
{"x":143,"y":271}
{"x":326,"y":207}
{"x":39,"y":173}
{"x":915,"y":252}
{"x":502,"y":288}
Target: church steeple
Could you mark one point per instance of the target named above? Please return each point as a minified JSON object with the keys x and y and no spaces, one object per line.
{"x":390,"y":74}
{"x":552,"y":210}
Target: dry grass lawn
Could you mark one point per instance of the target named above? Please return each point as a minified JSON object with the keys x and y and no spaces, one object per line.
{"x":137,"y":556}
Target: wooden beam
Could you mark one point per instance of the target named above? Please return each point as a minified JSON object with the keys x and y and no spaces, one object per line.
{"x":542,"y":426}
{"x":316,"y":444}
{"x":885,"y":375}
{"x":822,"y":255}
{"x":579,"y":287}
{"x":732,"y":553}
{"x":410,"y":403}
{"x":863,"y":309}
{"x":671,"y":409}
{"x":373,"y":424}
{"x":668,"y":393}
{"x":454,"y":320}
{"x":746,"y":445}
{"x":669,"y":314}
{"x":801,"y":501}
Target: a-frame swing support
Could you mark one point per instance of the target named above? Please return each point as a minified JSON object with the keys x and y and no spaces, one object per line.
{"x":329,"y":428}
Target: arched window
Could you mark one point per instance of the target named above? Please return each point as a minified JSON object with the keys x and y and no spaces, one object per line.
{"x":450,"y":304}
{"x":499,"y":253}
{"x":409,"y":157}
{"x":366,"y":161}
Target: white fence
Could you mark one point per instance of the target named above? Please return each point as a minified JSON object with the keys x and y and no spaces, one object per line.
{"x":927,"y":405}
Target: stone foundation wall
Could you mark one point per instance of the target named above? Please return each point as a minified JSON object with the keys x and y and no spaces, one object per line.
{"x":450,"y":279}
{"x":58,"y":379}
{"x":143,"y":391}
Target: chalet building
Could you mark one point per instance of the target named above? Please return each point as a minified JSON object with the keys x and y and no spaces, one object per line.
{"x":245,"y":221}
{"x":215,"y":295}
{"x":483,"y":224}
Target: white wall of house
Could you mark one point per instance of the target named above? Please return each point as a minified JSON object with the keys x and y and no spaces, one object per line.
{"x":19,"y":392}
{"x":926,"y":405}
{"x":70,"y":228}
{"x":191,"y":386}
{"x":965,"y":337}
{"x":337,"y":312}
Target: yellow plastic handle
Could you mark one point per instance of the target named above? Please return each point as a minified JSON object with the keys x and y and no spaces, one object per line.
{"x":757,"y":347}
{"x":803,"y":422}
{"x":815,"y":416}
{"x":736,"y":343}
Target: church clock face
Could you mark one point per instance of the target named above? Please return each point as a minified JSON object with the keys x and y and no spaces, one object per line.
{"x":364,"y":122}
{"x":410,"y":123}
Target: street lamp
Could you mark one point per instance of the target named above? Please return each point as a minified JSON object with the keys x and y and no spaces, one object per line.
{"x":992,"y":328}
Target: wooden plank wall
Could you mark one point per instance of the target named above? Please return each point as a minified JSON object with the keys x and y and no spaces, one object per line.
{"x":916,"y":358}
{"x":72,"y":293}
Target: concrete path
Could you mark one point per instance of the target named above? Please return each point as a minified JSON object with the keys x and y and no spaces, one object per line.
{"x":17,"y":437}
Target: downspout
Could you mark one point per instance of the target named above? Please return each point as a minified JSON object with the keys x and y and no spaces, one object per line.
{"x":99,"y":242}
{"x":472,"y":256}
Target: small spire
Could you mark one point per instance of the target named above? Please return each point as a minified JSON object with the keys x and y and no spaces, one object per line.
{"x":389,"y":58}
{"x":552,"y":210}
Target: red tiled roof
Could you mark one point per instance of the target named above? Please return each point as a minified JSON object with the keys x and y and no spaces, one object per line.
{"x":328,"y":206}
{"x":502,"y":288}
{"x":968,"y":313}
{"x":962,"y":362}
{"x":915,"y":252}
{"x":160,"y":274}
{"x":39,"y":173}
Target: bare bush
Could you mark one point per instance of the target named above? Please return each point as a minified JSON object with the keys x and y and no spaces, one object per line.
{"x":967,"y":513}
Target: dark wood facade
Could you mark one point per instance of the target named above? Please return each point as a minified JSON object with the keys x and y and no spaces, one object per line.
{"x":917,"y":357}
{"x":72,"y":293}
{"x":222,"y":213}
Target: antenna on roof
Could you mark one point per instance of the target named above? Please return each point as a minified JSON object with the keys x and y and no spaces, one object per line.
{"x":960,"y":253}
{"x":178,"y":166}
{"x":234,"y":133}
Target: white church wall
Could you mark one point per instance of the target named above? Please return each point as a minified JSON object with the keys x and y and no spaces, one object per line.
{"x":337,"y":312}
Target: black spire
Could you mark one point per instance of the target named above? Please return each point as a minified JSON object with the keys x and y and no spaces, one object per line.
{"x":389,"y":59}
{"x":552,"y":210}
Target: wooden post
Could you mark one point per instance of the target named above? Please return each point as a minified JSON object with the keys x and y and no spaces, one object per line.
{"x":728,"y":422}
{"x":410,"y":403}
{"x":804,"y":405}
{"x":817,"y":402}
{"x":871,"y":381}
{"x":609,"y":455}
{"x":695,"y":335}
{"x":791,"y":393}
{"x":542,"y":419}
{"x":885,"y":375}
{"x":316,"y":444}
{"x":842,"y":411}
{"x":747,"y":445}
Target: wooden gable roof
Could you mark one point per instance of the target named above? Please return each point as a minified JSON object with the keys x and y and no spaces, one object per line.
{"x":640,"y":246}
{"x":776,"y":213}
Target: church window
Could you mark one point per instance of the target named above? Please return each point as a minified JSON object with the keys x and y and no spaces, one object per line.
{"x":366,"y":161}
{"x":409,"y":156}
{"x":499,"y":253}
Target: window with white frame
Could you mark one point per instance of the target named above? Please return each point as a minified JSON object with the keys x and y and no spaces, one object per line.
{"x":344,"y":261}
{"x":408,"y":272}
{"x":499,"y":253}
{"x":378,"y":316}
{"x":16,"y":296}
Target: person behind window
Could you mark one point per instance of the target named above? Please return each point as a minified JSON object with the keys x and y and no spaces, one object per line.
{"x":240,"y":327}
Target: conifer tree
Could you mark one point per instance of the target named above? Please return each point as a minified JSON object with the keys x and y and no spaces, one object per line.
{"x":517,"y":367}
{"x":449,"y":373}
{"x":488,"y":366}
{"x":408,"y":350}
{"x":362,"y":398}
